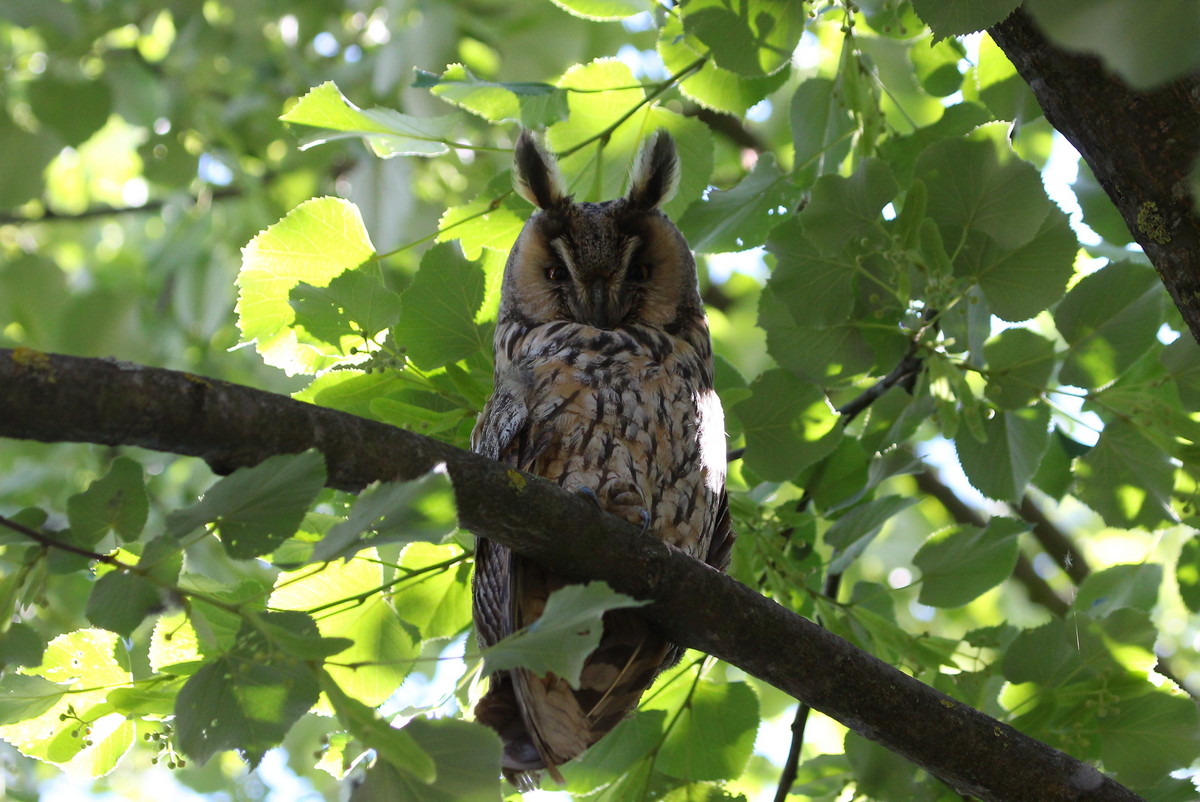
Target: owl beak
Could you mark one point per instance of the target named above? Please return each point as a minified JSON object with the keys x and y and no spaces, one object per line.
{"x":603,"y":312}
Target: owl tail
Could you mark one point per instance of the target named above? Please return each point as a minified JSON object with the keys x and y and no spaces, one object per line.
{"x":543,"y":722}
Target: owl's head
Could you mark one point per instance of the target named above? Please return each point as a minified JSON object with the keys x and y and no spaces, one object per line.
{"x":608,"y":265}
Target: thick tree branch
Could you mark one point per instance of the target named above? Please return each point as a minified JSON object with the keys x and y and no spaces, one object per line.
{"x":1142,"y":147}
{"x":58,"y":398}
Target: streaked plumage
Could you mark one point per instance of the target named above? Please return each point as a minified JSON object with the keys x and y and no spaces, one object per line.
{"x":604,"y":385}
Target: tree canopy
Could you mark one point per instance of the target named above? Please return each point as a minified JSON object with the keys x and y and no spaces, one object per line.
{"x":961,"y":394}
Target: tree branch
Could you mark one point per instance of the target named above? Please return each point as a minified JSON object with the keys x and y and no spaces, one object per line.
{"x":1142,"y":147}
{"x":55,"y":398}
{"x":149,"y":207}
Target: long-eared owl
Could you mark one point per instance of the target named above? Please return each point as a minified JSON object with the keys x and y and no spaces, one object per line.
{"x":603,"y":384}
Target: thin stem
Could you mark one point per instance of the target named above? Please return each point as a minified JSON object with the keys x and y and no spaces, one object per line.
{"x":658,"y":90}
{"x":787,"y":776}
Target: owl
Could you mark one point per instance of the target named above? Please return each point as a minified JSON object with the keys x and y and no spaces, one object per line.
{"x":603,"y":384}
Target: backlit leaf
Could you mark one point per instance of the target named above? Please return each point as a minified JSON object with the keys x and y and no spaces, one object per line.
{"x":314,"y":243}
{"x":388,"y":132}
{"x":562,"y":638}
{"x":1109,"y":319}
{"x":347,"y":601}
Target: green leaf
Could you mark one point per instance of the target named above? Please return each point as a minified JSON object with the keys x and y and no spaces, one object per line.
{"x":534,"y":105}
{"x":73,"y":109}
{"x":393,"y":512}
{"x":247,"y":699}
{"x":600,"y":139}
{"x":971,"y":187}
{"x":1149,"y":736}
{"x":117,"y":501}
{"x":437,"y":602}
{"x":1182,"y":360}
{"x":1099,"y":213}
{"x":1055,"y":654}
{"x":1120,"y":587}
{"x":353,"y":308}
{"x":901,"y":152}
{"x":388,"y":132}
{"x":613,"y":755}
{"x":1187,"y":574}
{"x":740,"y":218}
{"x":437,"y":320}
{"x":802,"y":273}
{"x":845,"y":209}
{"x":714,"y":734}
{"x":467,"y":756}
{"x":120,"y":601}
{"x":1146,"y":45}
{"x":711,"y":86}
{"x":350,"y":600}
{"x":1002,"y":466}
{"x":89,"y":663}
{"x":157,"y":699}
{"x":24,"y":697}
{"x":493,"y":219}
{"x":936,"y":66}
{"x":822,"y":129}
{"x":1021,"y":282}
{"x":877,"y":770}
{"x":949,"y":388}
{"x":1109,"y":319}
{"x":751,"y":38}
{"x":1019,"y":364}
{"x":824,"y":355}
{"x":1126,"y":478}
{"x":21,"y":645}
{"x":788,"y":425}
{"x":255,"y":509}
{"x":854,"y":531}
{"x":394,"y":745}
{"x":314,"y":243}
{"x":1001,"y":87}
{"x":21,"y":179}
{"x":568,"y":630}
{"x":602,"y":9}
{"x":956,"y":17}
{"x":959,"y":565}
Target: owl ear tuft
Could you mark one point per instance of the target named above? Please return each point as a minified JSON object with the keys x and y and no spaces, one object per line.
{"x":655,"y":174}
{"x":535,"y":173}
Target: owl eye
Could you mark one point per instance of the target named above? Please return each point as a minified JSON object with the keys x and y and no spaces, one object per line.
{"x":556,"y":273}
{"x":639,"y":271}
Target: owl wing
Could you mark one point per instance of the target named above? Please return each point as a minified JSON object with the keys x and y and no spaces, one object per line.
{"x":720,"y":547}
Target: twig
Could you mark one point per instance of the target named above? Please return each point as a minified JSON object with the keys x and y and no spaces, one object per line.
{"x":149,"y":207}
{"x":904,"y":374}
{"x":787,"y":777}
{"x":1055,"y":542}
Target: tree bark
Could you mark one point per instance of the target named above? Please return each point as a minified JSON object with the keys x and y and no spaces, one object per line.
{"x":54,"y":398}
{"x":1142,"y":147}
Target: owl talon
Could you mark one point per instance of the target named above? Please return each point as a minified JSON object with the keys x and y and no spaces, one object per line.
{"x":589,"y":494}
{"x":645,"y":516}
